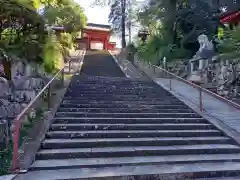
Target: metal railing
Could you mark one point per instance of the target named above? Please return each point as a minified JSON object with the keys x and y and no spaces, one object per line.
{"x":156,"y":71}
{"x":19,"y":119}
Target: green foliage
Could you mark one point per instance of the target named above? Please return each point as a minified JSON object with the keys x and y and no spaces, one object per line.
{"x":180,"y":23}
{"x":6,"y":156}
{"x":66,"y":13}
{"x":52,"y":54}
{"x":158,"y":46}
{"x":230,"y":42}
{"x":21,"y":28}
{"x":66,"y":41}
{"x":30,"y":4}
{"x":131,"y":48}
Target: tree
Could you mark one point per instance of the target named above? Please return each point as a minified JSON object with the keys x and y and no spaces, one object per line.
{"x":183,"y":20}
{"x":117,"y":18}
{"x":65,"y":13}
{"x":121,"y":16}
{"x":20,"y":25}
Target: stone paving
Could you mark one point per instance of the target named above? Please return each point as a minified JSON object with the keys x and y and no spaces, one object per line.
{"x":7,"y":177}
{"x":128,"y":68}
{"x":217,"y":108}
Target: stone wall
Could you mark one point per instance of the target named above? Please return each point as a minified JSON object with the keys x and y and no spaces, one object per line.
{"x":27,"y":80}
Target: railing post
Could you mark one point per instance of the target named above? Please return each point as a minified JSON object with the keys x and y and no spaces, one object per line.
{"x":200,"y":100}
{"x":170,"y":84}
{"x":62,"y":77}
{"x":49,"y":96}
{"x":15,"y":145}
{"x":69,"y":66}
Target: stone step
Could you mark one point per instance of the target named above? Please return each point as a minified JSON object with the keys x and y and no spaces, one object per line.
{"x":102,"y":105}
{"x":114,"y":86}
{"x":130,"y":161}
{"x":125,"y":110}
{"x":71,"y":153}
{"x":123,"y":91}
{"x":123,"y":126}
{"x":113,"y":96}
{"x":99,"y":79}
{"x":114,"y":83}
{"x":112,"y":99}
{"x":102,"y":78}
{"x":103,"y":120}
{"x":221,"y":178}
{"x":117,"y":88}
{"x":166,"y":171}
{"x":124,"y":142}
{"x":123,"y":102}
{"x":129,"y":115}
{"x":122,"y":94}
{"x":132,"y":133}
{"x":153,"y":102}
{"x":99,"y":94}
{"x":120,"y":91}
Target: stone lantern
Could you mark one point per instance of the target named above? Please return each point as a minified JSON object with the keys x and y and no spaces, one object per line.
{"x":143,"y":35}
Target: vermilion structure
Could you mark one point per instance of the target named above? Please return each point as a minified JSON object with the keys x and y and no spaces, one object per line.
{"x":96,"y":33}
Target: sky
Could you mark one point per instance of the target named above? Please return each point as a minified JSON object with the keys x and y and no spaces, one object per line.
{"x":95,"y":14}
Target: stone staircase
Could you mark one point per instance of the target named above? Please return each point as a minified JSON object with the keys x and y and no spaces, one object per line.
{"x":113,"y":127}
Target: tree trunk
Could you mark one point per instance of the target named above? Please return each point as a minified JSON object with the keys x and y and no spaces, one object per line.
{"x":7,"y":69}
{"x":130,"y":23}
{"x":123,"y":23}
{"x":172,"y":7}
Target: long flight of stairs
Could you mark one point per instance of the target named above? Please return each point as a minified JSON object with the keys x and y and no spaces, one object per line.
{"x":107,"y":127}
{"x":115,"y":128}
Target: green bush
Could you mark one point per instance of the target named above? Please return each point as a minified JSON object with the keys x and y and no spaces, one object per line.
{"x":66,"y":40}
{"x":158,"y":46}
{"x":230,"y":42}
{"x":52,"y":54}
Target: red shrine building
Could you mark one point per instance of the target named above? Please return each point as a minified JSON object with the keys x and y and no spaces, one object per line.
{"x":231,"y":17}
{"x":96,"y":36}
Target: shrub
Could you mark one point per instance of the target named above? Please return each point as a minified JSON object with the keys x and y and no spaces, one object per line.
{"x":230,"y":42}
{"x":52,"y":54}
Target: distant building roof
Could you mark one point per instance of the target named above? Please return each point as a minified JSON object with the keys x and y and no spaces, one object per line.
{"x":58,"y":28}
{"x":101,"y":27}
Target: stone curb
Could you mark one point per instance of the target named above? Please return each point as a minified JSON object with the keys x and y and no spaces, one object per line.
{"x":8,"y":177}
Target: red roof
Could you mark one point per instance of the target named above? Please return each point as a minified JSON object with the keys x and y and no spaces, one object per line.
{"x":232,"y":17}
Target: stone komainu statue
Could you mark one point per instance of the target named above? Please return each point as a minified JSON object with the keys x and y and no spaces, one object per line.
{"x":206,"y":49}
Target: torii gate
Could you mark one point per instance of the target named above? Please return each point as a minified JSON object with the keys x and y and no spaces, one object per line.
{"x":97,"y":33}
